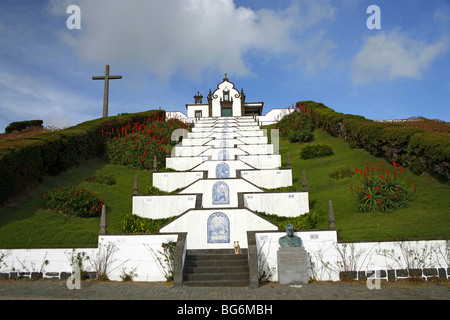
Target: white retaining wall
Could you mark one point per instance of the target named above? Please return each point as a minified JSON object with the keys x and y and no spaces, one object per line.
{"x":195,"y":223}
{"x":388,"y":260}
{"x":262,"y":161}
{"x":285,"y":204}
{"x":134,"y":253}
{"x":170,"y":181}
{"x":269,"y":178}
{"x":162,"y":206}
{"x":131,"y":253}
{"x":184,"y":163}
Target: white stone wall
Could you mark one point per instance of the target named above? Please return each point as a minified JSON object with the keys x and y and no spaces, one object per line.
{"x":170,"y":181}
{"x":262,"y":161}
{"x":195,"y":223}
{"x":269,"y":178}
{"x":274,"y":115}
{"x":284,"y":204}
{"x":162,"y":206}
{"x":129,"y":252}
{"x":385,"y":260}
{"x":205,"y":187}
{"x":191,"y":108}
{"x":184,"y":164}
{"x":137,"y":253}
{"x":210,"y":167}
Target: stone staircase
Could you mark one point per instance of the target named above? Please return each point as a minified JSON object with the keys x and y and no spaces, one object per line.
{"x":216,"y":268}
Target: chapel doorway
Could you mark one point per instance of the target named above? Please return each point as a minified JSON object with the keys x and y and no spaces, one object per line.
{"x":226,"y":112}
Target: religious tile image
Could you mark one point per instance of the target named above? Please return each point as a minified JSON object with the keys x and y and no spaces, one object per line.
{"x":218,"y":228}
{"x":221,"y":193}
{"x":222,"y":170}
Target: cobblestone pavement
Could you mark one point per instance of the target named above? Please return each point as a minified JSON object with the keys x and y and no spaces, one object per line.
{"x":97,"y":290}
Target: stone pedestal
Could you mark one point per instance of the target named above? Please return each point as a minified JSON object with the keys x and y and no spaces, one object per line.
{"x":292,"y":265}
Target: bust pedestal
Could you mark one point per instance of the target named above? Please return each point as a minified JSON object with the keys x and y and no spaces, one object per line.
{"x":292,"y":265}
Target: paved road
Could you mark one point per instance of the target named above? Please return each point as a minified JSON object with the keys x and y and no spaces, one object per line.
{"x":97,"y":290}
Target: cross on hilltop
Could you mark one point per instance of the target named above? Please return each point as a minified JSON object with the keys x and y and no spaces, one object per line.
{"x":106,"y":77}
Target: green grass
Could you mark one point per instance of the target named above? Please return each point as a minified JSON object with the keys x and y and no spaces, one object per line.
{"x":28,"y":224}
{"x":427,"y":218}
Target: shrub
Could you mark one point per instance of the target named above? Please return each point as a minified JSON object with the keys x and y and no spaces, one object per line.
{"x":383,"y":188}
{"x":301,"y":136}
{"x":306,"y":221}
{"x":74,"y":202}
{"x":316,"y":151}
{"x":154,"y":190}
{"x":299,"y":120}
{"x":422,"y":150}
{"x":19,"y":126}
{"x":135,"y":224}
{"x":24,"y":161}
{"x":136,"y":146}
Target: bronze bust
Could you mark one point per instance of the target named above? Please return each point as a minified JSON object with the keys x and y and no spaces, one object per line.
{"x":290,"y":240}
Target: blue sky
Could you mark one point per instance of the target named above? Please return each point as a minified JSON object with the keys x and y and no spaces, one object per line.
{"x":279,"y":52}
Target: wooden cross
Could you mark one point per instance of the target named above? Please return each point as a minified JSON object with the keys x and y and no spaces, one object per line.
{"x":106,"y":77}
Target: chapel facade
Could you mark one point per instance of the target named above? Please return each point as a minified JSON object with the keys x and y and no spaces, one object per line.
{"x":225,"y":101}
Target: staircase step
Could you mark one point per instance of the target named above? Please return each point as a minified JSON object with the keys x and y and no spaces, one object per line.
{"x":216,"y":270}
{"x":207,"y":268}
{"x":216,"y":276}
{"x":221,"y":283}
{"x":214,"y":263}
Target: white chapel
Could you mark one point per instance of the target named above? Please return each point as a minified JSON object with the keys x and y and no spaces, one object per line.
{"x":225,"y":101}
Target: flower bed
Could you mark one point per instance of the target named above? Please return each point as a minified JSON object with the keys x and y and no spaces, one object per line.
{"x":136,"y":145}
{"x":382,"y":188}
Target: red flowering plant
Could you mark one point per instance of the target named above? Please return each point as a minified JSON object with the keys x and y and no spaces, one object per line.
{"x":381,"y":187}
{"x":136,"y":145}
{"x":74,"y":201}
{"x":297,"y":125}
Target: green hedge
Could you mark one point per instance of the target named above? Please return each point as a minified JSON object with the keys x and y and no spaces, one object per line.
{"x":24,"y":161}
{"x":423,"y":151}
{"x":19,"y":126}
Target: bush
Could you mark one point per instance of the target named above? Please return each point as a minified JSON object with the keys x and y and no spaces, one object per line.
{"x":316,"y":151}
{"x":136,"y":146}
{"x":383,"y":188}
{"x":299,"y":120}
{"x":384,"y":197}
{"x":24,"y":161}
{"x":301,"y":136}
{"x":19,"y":126}
{"x":422,"y":150}
{"x":306,"y":221}
{"x":135,"y":224}
{"x":74,"y":202}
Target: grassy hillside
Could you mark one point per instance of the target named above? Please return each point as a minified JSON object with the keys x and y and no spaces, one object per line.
{"x":428,"y":217}
{"x":27,"y":223}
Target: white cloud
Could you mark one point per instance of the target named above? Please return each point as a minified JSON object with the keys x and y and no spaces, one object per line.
{"x":191,"y":36}
{"x":389,"y":56}
{"x":25,"y":98}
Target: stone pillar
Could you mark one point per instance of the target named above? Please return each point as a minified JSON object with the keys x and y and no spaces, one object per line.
{"x":331,"y":218}
{"x":167,"y":151}
{"x":103,"y":221}
{"x":136,"y":186}
{"x":304,"y":183}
